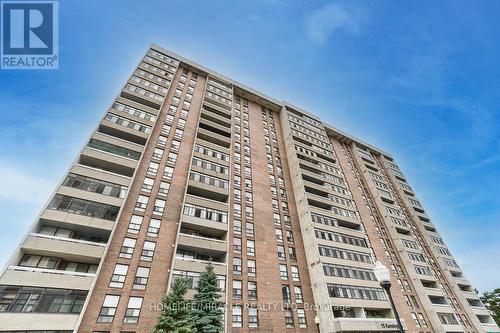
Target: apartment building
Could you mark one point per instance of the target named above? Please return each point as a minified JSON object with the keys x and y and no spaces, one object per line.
{"x":189,"y":167}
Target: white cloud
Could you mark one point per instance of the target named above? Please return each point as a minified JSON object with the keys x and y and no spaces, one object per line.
{"x":17,"y":185}
{"x":323,"y":22}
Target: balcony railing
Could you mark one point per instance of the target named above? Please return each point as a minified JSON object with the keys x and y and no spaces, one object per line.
{"x":49,"y":271}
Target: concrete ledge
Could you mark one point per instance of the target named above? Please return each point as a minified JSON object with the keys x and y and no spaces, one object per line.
{"x":37,"y":321}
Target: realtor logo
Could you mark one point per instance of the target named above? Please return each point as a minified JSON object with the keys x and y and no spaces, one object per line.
{"x":29,"y":38}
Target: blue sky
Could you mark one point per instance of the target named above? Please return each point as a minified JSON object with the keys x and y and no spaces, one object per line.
{"x":419,"y":79}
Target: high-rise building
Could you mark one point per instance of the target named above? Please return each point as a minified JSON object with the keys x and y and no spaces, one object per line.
{"x":189,"y":167}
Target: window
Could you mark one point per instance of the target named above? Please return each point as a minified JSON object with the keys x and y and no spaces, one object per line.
{"x":108,"y":309}
{"x":288,"y":318}
{"x":84,"y":207}
{"x":41,"y":300}
{"x":118,"y":276}
{"x":164,"y":188}
{"x":355,"y":292}
{"x":154,"y":227}
{"x":277,"y":219}
{"x":158,"y":153}
{"x":447,"y":318}
{"x":95,"y":185}
{"x":285,"y":292}
{"x":237,"y":209}
{"x":237,"y":245}
{"x":334,"y":252}
{"x":205,"y":213}
{"x":141,"y":278}
{"x":252,"y":290}
{"x":283,"y":272}
{"x":251,"y":268}
{"x":250,"y":248}
{"x":30,"y":260}
{"x":281,"y":252}
{"x":159,"y":207}
{"x":249,"y":199}
{"x":176,"y":145}
{"x":237,"y":194}
{"x":348,"y":272}
{"x":295,"y":273}
{"x":162,"y":140}
{"x":168,"y":172}
{"x":113,"y":149}
{"x":279,"y":235}
{"x":141,"y":204}
{"x":133,"y":310}
{"x":80,"y":267}
{"x":172,"y":158}
{"x":147,"y":185}
{"x":237,"y":289}
{"x":127,"y":248}
{"x":153,"y":168}
{"x":148,"y":251}
{"x":249,"y":229}
{"x":135,"y":224}
{"x":237,"y":316}
{"x":253,"y":318}
{"x":209,"y":180}
{"x":237,"y":266}
{"x":301,"y":314}
{"x":298,"y":294}
{"x":423,"y":270}
{"x":237,"y":227}
{"x":59,"y":232}
{"x":291,"y":253}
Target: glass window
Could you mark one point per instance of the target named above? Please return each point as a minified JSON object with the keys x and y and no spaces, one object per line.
{"x":133,"y":310}
{"x":108,"y":309}
{"x":237,"y":316}
{"x":118,"y":277}
{"x":135,"y":224}
{"x":141,"y":278}
{"x":127,"y":248}
{"x":253,"y":318}
{"x":148,"y":251}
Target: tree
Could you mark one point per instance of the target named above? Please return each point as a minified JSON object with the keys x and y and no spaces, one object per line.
{"x":176,"y":315}
{"x":492,"y":301}
{"x":207,"y":307}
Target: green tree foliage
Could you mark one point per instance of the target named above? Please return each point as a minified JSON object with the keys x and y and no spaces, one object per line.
{"x":207,"y":308}
{"x":492,"y":301}
{"x":176,"y":315}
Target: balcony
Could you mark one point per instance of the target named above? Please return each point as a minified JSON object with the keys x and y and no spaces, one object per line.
{"x":69,"y":220}
{"x":42,"y":322}
{"x":205,"y":186}
{"x":143,"y":96}
{"x":212,"y":137}
{"x":67,"y":248}
{"x":194,"y":265}
{"x":217,"y":100}
{"x":50,"y":278}
{"x":434,"y":292}
{"x":208,"y":246}
{"x":366,"y":324}
{"x":86,"y":171}
{"x":222,"y":110}
{"x":91,"y":196}
{"x":111,"y":154}
{"x":215,"y":116}
{"x":124,"y":132}
{"x":139,"y":107}
{"x":206,"y":226}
